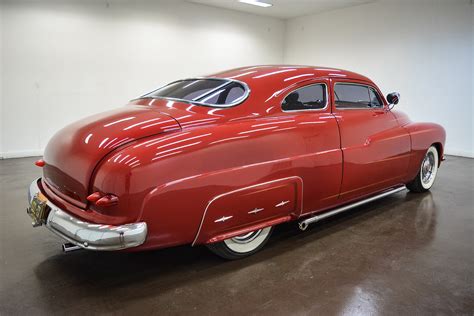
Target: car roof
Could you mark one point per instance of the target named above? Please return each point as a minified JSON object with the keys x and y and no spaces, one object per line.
{"x":288,"y":73}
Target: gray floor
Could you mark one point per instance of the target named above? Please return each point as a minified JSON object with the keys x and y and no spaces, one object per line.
{"x":404,"y":255}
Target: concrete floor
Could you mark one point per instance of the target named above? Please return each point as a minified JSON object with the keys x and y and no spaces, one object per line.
{"x":404,"y":255}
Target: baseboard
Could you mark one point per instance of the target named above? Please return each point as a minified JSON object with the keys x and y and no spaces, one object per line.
{"x":460,"y":153}
{"x":21,"y":154}
{"x":39,"y":152}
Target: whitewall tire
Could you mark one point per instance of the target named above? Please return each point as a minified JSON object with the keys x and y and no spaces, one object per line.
{"x":427,"y":173}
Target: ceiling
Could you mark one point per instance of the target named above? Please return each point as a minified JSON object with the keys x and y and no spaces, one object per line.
{"x":284,"y":9}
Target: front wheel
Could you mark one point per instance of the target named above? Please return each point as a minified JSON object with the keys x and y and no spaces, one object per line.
{"x":426,"y":175}
{"x":243,"y":245}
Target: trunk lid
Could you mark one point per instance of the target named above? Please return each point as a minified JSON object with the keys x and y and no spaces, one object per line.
{"x":73,"y":153}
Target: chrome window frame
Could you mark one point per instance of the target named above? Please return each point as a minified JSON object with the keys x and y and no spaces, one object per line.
{"x":357,"y":108}
{"x":377,"y":95}
{"x":307,"y":110}
{"x":226,"y":81}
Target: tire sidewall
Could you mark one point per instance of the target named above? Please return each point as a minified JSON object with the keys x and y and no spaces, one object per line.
{"x":241,"y":254}
{"x":428,"y":185}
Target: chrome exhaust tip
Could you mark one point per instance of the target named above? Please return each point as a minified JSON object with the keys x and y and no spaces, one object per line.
{"x":68,"y":247}
{"x":303,"y":225}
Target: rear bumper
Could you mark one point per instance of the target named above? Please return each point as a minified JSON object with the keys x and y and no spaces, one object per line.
{"x":89,"y":235}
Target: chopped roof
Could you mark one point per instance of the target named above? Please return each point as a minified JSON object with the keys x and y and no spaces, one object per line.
{"x":290,"y":73}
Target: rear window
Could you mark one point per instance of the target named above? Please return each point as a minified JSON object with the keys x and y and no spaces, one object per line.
{"x":210,"y":92}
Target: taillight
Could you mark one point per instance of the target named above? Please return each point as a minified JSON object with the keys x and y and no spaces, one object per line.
{"x":94,"y":197}
{"x":102,"y":199}
{"x":107,"y":200}
{"x":40,"y":163}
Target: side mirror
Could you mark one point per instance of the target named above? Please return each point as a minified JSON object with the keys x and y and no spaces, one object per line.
{"x":393,"y":98}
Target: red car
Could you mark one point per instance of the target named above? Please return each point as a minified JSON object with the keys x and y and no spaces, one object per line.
{"x":221,"y":160}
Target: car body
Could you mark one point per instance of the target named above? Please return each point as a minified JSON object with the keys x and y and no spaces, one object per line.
{"x":176,"y":169}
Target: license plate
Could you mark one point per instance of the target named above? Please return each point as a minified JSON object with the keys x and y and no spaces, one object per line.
{"x":39,"y":209}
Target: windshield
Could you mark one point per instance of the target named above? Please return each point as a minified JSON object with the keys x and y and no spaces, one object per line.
{"x":209,"y":92}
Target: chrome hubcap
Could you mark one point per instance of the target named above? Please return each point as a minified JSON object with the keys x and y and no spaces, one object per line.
{"x":427,"y":168}
{"x":246,"y":238}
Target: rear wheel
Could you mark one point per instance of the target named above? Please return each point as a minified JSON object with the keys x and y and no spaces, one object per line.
{"x":427,"y":174}
{"x":243,"y":245}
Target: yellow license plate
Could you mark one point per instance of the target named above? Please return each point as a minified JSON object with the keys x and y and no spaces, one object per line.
{"x":39,"y":209}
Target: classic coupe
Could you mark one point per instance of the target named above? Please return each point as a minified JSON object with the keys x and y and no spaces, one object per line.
{"x":221,"y":160}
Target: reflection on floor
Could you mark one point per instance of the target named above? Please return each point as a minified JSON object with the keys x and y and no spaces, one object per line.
{"x":403,"y":255}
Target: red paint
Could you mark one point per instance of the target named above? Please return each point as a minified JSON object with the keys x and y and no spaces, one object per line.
{"x":249,"y":229}
{"x":181,"y":167}
{"x":94,"y":197}
{"x":73,"y":153}
{"x":251,"y":206}
{"x":107,"y":200}
{"x":40,"y":163}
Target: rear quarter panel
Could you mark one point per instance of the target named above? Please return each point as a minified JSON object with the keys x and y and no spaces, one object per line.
{"x":179,"y":174}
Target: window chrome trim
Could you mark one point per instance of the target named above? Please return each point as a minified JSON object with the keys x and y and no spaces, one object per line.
{"x":205,"y":94}
{"x":307,"y":110}
{"x":348,"y":83}
{"x":226,"y":81}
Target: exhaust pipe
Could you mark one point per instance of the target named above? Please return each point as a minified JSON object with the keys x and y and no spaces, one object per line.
{"x":68,"y":247}
{"x":303,"y":225}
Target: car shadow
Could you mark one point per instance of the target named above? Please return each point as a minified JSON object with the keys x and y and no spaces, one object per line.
{"x":152,"y":273}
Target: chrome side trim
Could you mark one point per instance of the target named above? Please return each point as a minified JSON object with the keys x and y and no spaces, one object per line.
{"x":282,"y":203}
{"x":255,"y":210}
{"x":222,"y":219}
{"x":303,"y":225}
{"x":242,"y":189}
{"x":89,"y":235}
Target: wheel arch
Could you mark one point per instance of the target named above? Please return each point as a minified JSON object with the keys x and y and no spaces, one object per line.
{"x":440,"y":149}
{"x":424,"y":135}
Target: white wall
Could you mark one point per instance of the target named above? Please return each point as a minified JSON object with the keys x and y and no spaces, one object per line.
{"x":1,"y":79}
{"x":422,"y":49}
{"x":65,"y":59}
{"x":61,"y":60}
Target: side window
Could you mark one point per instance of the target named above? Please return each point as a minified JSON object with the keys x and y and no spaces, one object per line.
{"x":351,"y":96}
{"x":311,"y":97}
{"x":375,"y":100}
{"x":355,"y":96}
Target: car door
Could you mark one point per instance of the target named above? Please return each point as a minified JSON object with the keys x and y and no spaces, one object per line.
{"x":318,"y":159}
{"x":375,"y":147}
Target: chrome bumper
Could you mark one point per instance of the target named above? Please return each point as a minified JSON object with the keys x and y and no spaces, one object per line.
{"x":88,"y":235}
